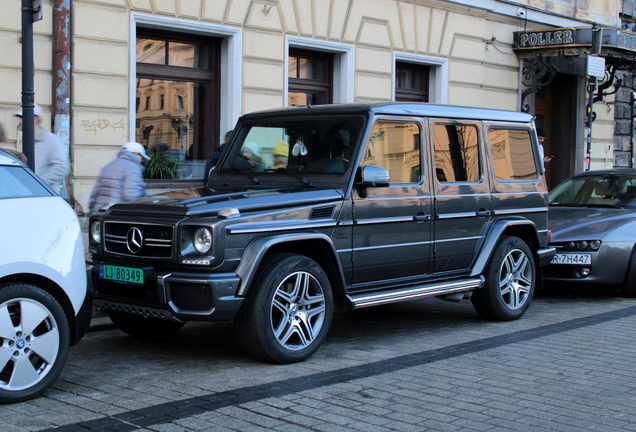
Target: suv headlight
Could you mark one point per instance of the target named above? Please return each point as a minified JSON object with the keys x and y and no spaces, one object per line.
{"x":202,"y":240}
{"x":96,"y":231}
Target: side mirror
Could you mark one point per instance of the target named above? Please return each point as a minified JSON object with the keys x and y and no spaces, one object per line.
{"x":371,"y":176}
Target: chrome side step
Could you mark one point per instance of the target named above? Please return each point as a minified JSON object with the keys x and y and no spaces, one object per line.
{"x":433,"y":289}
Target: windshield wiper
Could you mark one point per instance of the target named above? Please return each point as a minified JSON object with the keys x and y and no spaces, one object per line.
{"x":297,"y":177}
{"x":245,"y":173}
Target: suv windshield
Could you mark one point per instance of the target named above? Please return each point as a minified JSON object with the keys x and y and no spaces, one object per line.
{"x":307,"y":146}
{"x":606,"y":190}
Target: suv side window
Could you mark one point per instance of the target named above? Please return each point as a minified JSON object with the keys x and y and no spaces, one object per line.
{"x":395,"y":146}
{"x":512,"y":154}
{"x":456,"y":149}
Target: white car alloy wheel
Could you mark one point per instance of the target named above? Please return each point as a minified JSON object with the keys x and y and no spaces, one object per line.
{"x":34,"y":337}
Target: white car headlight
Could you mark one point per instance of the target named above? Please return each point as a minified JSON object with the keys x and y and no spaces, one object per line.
{"x":203,"y":240}
{"x":96,"y":232}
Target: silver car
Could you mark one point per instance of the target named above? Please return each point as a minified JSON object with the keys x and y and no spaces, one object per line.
{"x":592,"y":217}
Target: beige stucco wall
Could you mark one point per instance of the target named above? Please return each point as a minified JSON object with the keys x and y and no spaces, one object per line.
{"x":476,"y":43}
{"x":603,"y":12}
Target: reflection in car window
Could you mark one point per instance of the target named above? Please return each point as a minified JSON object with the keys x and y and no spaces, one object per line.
{"x":395,"y":147}
{"x":16,"y":182}
{"x":456,"y":153}
{"x":318,"y":146}
{"x":512,"y":154}
{"x":596,"y":190}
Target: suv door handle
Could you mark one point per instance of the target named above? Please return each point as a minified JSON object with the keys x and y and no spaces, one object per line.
{"x":421,"y":217}
{"x":482,"y":213}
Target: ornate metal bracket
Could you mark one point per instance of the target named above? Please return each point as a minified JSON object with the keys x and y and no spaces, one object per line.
{"x":608,"y":81}
{"x":536,"y":74}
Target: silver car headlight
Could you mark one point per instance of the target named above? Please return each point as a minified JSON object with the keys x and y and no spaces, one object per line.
{"x":96,"y":231}
{"x":202,"y":240}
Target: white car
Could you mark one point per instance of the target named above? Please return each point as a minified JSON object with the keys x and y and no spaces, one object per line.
{"x":44,"y":303}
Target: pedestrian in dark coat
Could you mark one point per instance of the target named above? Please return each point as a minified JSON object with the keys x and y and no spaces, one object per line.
{"x":121,"y":181}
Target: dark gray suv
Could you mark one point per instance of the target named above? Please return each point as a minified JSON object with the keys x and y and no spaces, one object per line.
{"x":347,"y":206}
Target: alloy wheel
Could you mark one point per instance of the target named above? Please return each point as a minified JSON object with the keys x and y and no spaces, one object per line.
{"x":298,"y":310}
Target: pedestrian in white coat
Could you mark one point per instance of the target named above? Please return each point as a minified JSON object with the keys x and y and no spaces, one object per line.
{"x":52,"y":163}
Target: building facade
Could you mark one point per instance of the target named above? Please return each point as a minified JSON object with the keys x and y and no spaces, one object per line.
{"x":175,"y":75}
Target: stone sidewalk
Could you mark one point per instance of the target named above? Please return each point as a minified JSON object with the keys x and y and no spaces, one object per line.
{"x":420,"y":365}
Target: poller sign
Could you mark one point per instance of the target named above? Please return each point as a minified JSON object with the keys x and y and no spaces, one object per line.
{"x":543,"y":38}
{"x":573,"y":38}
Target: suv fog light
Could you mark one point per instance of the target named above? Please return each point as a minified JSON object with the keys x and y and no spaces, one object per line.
{"x":203,"y":240}
{"x":585,"y":271}
{"x":96,"y":232}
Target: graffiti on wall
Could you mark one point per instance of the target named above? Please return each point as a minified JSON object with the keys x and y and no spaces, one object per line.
{"x":100,"y":161}
{"x":99,"y":125}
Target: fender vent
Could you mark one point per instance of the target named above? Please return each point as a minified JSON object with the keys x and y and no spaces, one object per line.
{"x":322,"y":213}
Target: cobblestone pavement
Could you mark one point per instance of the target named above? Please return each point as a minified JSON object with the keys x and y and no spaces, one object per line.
{"x":568,"y":364}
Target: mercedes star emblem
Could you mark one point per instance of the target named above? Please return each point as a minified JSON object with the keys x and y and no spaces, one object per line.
{"x":134,"y":240}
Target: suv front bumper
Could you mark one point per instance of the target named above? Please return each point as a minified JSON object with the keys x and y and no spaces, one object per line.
{"x":176,"y":296}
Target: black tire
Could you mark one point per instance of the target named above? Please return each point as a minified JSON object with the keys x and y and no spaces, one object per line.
{"x":34,"y":341}
{"x":510,"y":282}
{"x":287,"y":313}
{"x":142,"y":327}
{"x":629,"y":286}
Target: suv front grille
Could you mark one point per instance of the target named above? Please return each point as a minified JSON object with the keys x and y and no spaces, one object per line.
{"x":157,"y":239}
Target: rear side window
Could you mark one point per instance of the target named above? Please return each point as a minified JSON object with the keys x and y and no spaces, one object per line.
{"x":395,"y":146}
{"x":456,"y":153}
{"x":512,"y":154}
{"x":16,"y":182}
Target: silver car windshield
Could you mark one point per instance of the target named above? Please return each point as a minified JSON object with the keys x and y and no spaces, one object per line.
{"x":605,"y":190}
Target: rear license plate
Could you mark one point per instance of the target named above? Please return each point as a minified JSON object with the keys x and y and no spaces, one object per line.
{"x":572,"y":259}
{"x":121,"y":274}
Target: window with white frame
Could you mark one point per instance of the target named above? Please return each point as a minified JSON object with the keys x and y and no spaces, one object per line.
{"x":177,"y":80}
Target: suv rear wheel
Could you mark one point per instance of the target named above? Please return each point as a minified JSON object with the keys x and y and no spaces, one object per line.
{"x":34,"y":341}
{"x":510,"y":281}
{"x":287,"y":313}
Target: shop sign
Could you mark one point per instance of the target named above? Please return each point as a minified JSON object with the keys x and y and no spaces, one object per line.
{"x":546,"y":38}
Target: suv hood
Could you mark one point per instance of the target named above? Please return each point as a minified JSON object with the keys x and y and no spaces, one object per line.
{"x":206,"y":201}
{"x":578,"y":223}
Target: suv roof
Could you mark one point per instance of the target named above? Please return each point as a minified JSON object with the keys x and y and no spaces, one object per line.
{"x":400,"y":108}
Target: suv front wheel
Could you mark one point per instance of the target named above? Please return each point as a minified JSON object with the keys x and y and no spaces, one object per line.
{"x":287,"y":313}
{"x":510,"y":280}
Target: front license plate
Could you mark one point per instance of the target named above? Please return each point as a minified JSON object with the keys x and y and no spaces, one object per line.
{"x":121,"y":274}
{"x":572,"y":259}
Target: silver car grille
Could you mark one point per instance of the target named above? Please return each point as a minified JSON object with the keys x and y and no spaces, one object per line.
{"x":139,"y":240}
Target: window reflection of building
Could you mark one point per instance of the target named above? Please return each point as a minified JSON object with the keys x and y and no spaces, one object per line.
{"x":512,"y":154}
{"x":456,"y":153}
{"x":396,"y":147}
{"x":174,"y":79}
